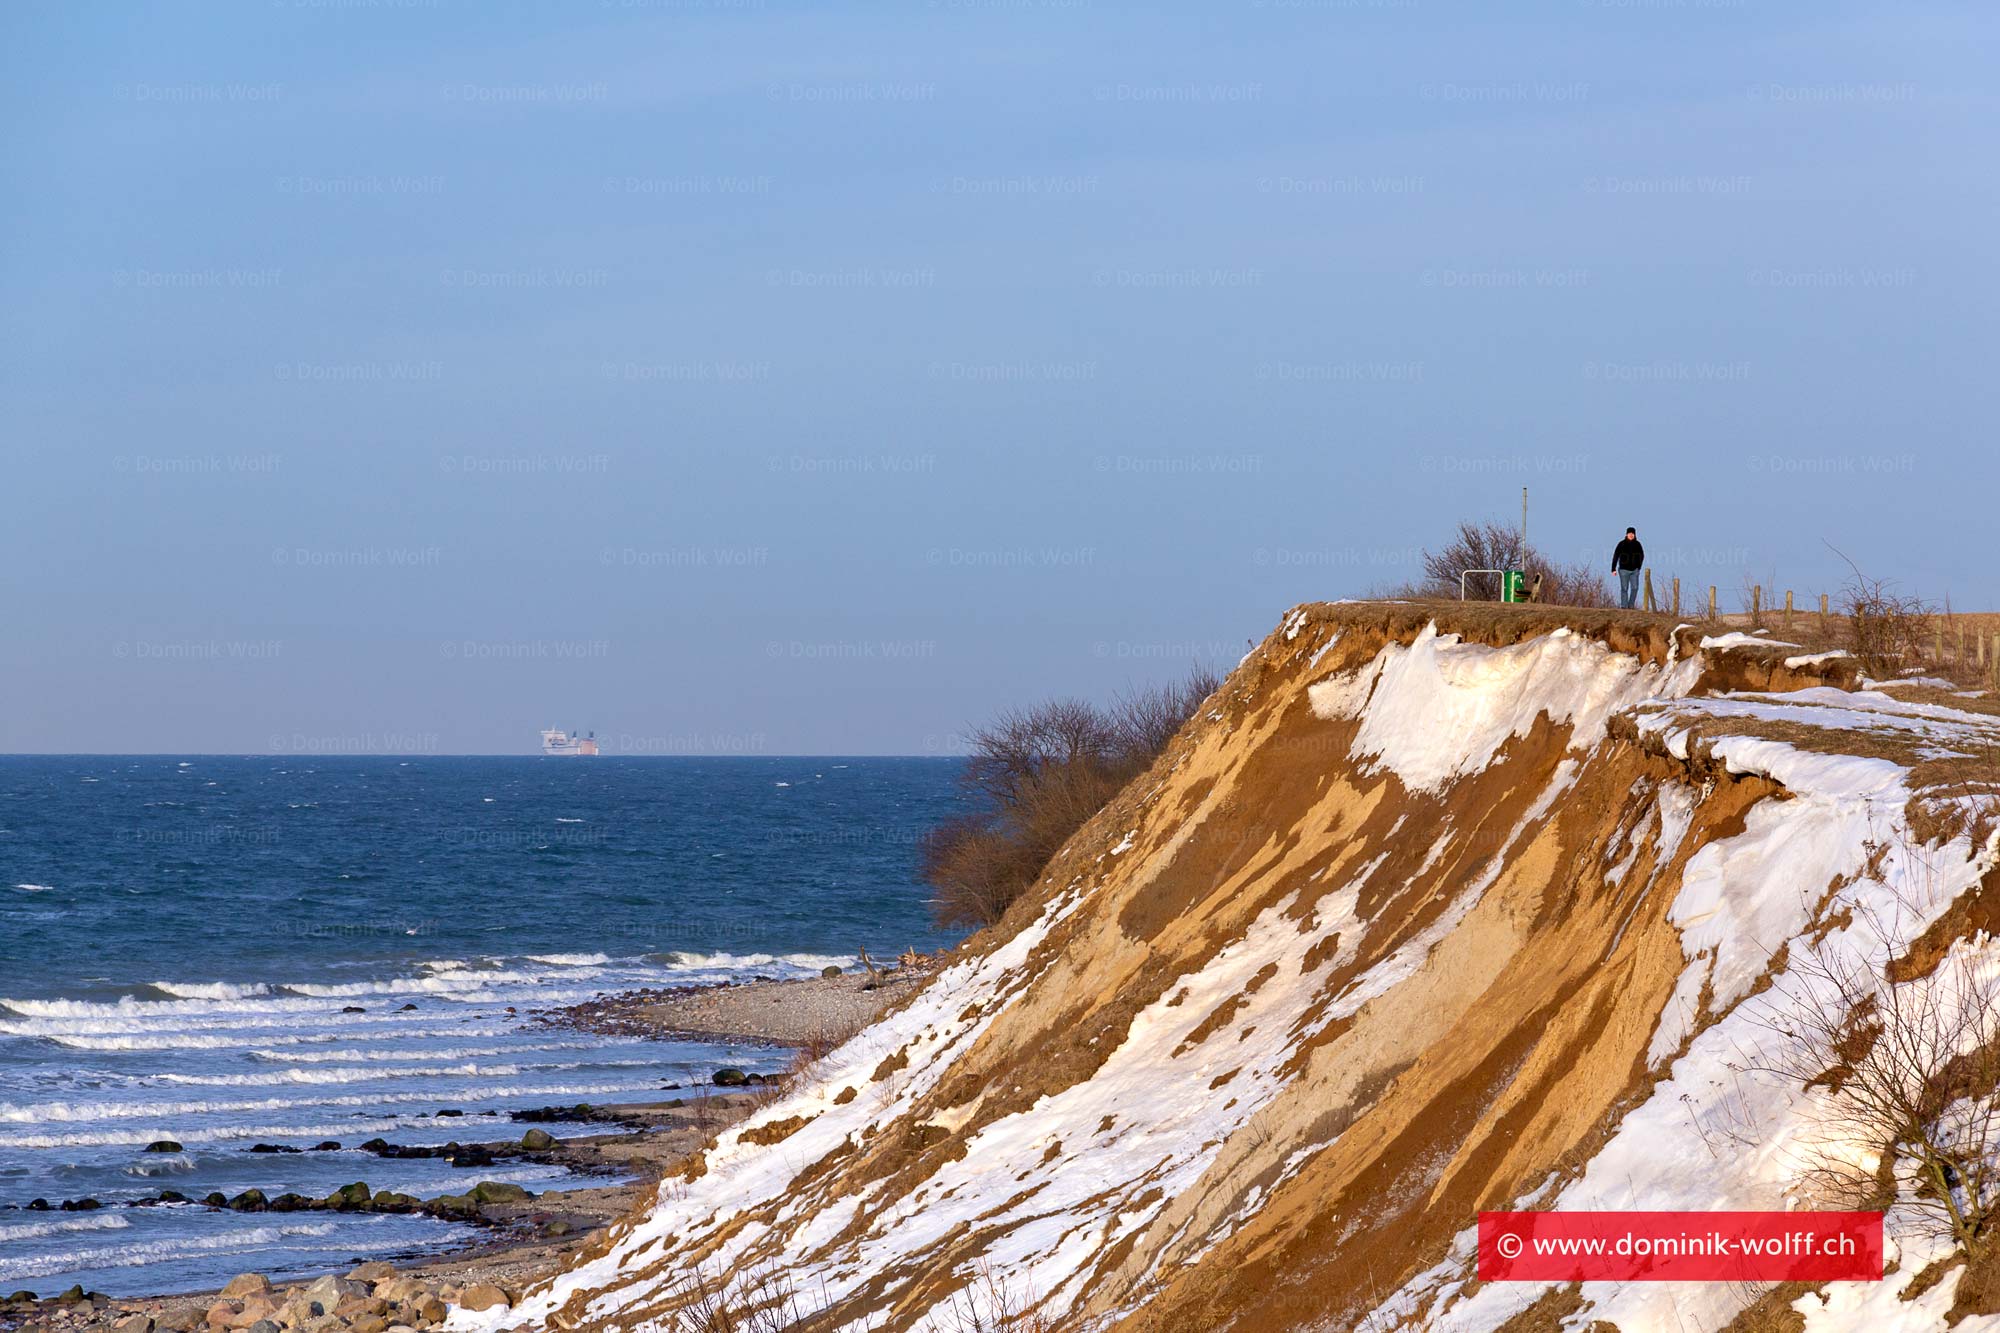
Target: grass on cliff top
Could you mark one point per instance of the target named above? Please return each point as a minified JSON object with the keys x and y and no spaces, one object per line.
{"x":1803,"y":633}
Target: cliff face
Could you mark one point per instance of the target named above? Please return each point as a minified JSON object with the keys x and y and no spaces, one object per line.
{"x":1417,"y":917}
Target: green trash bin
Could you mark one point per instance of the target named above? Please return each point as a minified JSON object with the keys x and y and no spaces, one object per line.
{"x":1513,"y":586}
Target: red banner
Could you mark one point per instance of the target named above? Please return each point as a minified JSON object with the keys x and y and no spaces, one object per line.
{"x":1680,"y":1247}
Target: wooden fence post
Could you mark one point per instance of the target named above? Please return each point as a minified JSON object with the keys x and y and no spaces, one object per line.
{"x":1649,"y":591}
{"x":1711,"y":601}
{"x":1822,"y":613}
{"x":1756,"y":603}
{"x":1677,"y":594}
{"x":1788,"y":610}
{"x":1937,"y":641}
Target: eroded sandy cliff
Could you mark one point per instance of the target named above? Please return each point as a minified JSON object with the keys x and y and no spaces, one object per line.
{"x":1429,"y":910}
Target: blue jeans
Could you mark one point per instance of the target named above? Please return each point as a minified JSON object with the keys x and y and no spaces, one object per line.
{"x":1628,"y":588}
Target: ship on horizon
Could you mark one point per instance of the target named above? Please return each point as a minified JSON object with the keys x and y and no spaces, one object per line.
{"x":557,"y":741}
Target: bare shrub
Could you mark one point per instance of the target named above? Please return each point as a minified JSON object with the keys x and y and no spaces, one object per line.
{"x":1908,"y":1070}
{"x":1497,"y":546}
{"x":989,"y":1304}
{"x":1888,"y":629}
{"x":1036,"y":776}
{"x":763,"y":1302}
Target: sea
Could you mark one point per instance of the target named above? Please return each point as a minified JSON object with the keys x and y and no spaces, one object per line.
{"x":228,"y":953}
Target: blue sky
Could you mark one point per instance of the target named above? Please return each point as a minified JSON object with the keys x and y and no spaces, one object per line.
{"x":757,"y":378}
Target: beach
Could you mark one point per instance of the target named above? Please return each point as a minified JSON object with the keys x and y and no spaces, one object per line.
{"x":523,"y":1236}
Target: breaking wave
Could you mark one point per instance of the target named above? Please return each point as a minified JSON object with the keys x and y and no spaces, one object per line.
{"x":135,"y":1256}
{"x":106,"y":1222}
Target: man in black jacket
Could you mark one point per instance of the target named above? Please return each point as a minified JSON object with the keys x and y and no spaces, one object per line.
{"x":1628,"y":558}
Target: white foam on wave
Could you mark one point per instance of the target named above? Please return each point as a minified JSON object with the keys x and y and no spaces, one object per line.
{"x":174,"y":1041}
{"x":283,"y":1077}
{"x":444,"y":1053}
{"x":33,"y":1230}
{"x":35,"y":1113}
{"x":103,"y":1138}
{"x":161,"y":1164}
{"x":212,"y":990}
{"x":443,"y":985}
{"x":140,"y":1022}
{"x":727,"y":962}
{"x":131,"y":1007}
{"x":137,"y":1256}
{"x":492,"y":981}
{"x":36,"y":888}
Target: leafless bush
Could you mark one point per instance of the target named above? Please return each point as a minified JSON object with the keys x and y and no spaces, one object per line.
{"x":1496,"y":546}
{"x":1888,"y":629}
{"x":1908,"y":1071}
{"x":760,"y":1303}
{"x":989,"y":1304}
{"x":1036,"y":776}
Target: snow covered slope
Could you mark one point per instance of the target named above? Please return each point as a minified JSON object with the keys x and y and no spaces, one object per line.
{"x":1419,"y":916}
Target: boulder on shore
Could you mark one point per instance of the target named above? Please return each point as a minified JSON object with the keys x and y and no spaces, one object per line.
{"x":245,"y":1285}
{"x":498,"y":1191}
{"x":349,"y":1196}
{"x":730,"y":1077}
{"x":538,"y":1140}
{"x":163,"y":1145}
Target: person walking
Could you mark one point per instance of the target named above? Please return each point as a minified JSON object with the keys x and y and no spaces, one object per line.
{"x":1628,"y":558}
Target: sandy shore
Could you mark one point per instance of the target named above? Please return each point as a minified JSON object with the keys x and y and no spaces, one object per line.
{"x":533,"y":1237}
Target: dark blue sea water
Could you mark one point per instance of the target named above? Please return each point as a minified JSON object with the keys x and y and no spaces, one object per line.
{"x":185,"y":944}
